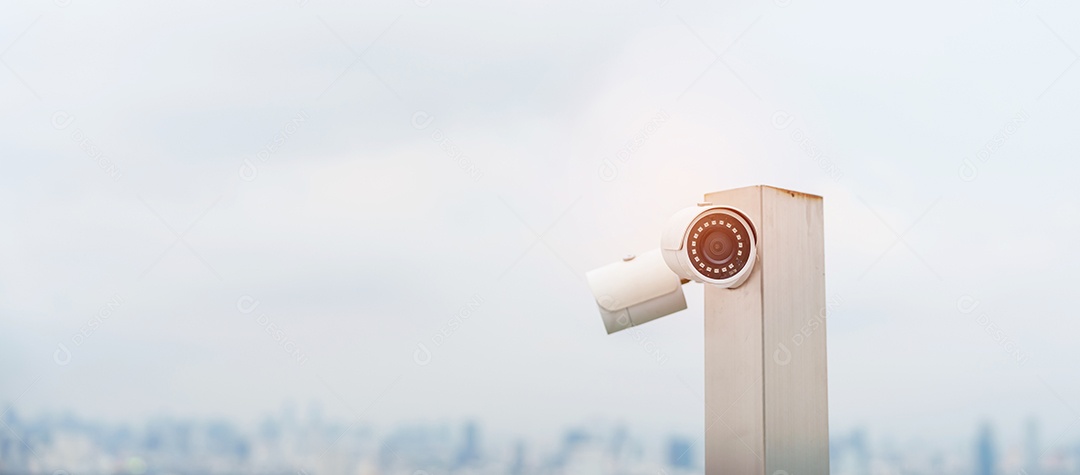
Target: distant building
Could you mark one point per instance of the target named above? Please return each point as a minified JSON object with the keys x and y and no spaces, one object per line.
{"x":1032,"y":451}
{"x":680,"y":453}
{"x":985,"y":452}
{"x":850,"y":453}
{"x":861,"y":448}
{"x":517,"y":461}
{"x":469,"y":452}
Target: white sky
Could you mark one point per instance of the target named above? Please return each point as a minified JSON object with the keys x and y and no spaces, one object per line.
{"x":361,"y":235}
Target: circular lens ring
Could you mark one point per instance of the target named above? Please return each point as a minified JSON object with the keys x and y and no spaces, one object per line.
{"x":718,"y":244}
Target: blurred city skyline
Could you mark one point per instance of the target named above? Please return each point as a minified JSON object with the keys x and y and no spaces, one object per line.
{"x":389,"y":208}
{"x":305,"y":441}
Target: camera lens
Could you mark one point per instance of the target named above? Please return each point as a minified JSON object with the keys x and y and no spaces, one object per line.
{"x":718,"y":244}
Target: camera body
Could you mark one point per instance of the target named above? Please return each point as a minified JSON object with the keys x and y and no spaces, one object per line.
{"x":775,"y":384}
{"x":636,"y":290}
{"x":711,"y":244}
{"x":708,"y":243}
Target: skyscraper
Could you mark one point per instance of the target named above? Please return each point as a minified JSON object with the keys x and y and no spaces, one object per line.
{"x":680,"y":453}
{"x":985,"y":452}
{"x":1032,"y":451}
{"x":861,"y":448}
{"x":517,"y":461}
{"x":469,"y":451}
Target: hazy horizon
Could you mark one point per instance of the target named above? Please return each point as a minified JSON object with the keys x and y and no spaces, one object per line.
{"x":355,"y":178}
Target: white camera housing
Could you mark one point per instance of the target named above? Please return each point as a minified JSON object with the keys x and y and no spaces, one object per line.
{"x":636,"y":290}
{"x":708,"y":243}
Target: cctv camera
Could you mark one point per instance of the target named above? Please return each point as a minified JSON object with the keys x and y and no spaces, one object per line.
{"x":636,"y":290}
{"x":712,"y":244}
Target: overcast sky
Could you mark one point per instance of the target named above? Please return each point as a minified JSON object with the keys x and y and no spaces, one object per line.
{"x":178,"y":178}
